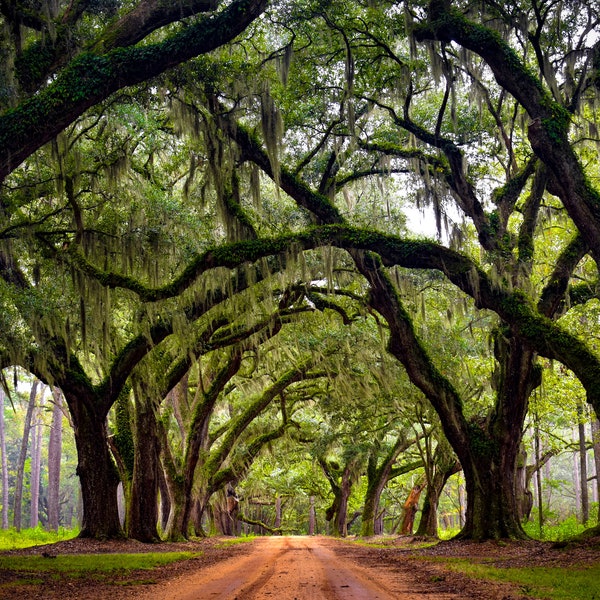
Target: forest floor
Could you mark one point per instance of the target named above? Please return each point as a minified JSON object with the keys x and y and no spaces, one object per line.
{"x":296,"y":567}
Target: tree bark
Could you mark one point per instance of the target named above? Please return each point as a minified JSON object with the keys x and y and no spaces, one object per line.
{"x":36,"y":463}
{"x":337,"y":513}
{"x":18,"y":499}
{"x":490,"y":464}
{"x":225,"y":511}
{"x":165,"y":502}
{"x":54,"y":459}
{"x":525,"y":474}
{"x":173,"y":483}
{"x":277,"y":523}
{"x":341,"y":519}
{"x":524,"y":494}
{"x":142,"y":518}
{"x":409,"y":509}
{"x":596,"y":448}
{"x":377,"y":479}
{"x":96,"y":469}
{"x":312,"y":525}
{"x":428,"y":525}
{"x":585,"y":500}
{"x":176,"y":527}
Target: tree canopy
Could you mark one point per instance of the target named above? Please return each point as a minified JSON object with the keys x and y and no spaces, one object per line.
{"x":186,"y":182}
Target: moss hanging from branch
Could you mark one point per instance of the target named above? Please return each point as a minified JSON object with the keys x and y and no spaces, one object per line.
{"x":272,"y":130}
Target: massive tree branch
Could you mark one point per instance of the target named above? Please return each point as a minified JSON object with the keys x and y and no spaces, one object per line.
{"x":554,"y":294}
{"x":548,"y":131}
{"x":454,"y":174}
{"x":148,"y":16}
{"x":90,"y":78}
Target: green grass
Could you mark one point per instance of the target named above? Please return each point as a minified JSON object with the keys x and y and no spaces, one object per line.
{"x":557,"y":532}
{"x":10,"y":539}
{"x":393,"y":542}
{"x":112,"y":569}
{"x":539,"y":582}
{"x":447,"y":534}
{"x":235,"y":540}
{"x":77,"y":565}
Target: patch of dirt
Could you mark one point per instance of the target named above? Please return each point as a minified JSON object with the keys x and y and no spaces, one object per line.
{"x":296,"y":567}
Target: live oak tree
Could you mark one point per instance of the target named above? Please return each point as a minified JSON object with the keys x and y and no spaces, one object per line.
{"x":4,"y":463}
{"x":382,"y":467}
{"x":56,"y":67}
{"x":423,"y":130}
{"x":323,"y":96}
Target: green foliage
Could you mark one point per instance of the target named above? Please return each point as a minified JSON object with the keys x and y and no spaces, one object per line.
{"x":559,"y":532}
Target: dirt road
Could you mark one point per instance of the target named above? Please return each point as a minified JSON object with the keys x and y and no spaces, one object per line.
{"x":290,"y":568}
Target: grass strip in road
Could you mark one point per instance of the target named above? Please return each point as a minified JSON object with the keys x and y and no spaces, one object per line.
{"x":552,"y":583}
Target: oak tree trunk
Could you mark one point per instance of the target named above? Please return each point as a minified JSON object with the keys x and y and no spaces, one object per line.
{"x":165,"y":501}
{"x":596,"y":448}
{"x":585,"y":500}
{"x":277,"y":523}
{"x":341,"y":520}
{"x":377,"y":479}
{"x":175,"y":530}
{"x":96,"y":469}
{"x":409,"y":509}
{"x":428,"y":525}
{"x":311,"y":516}
{"x":142,"y":518}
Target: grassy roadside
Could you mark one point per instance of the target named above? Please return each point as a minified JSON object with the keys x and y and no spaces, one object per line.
{"x":124,"y":569}
{"x":117,"y":569}
{"x":80,"y":565}
{"x":50,"y":568}
{"x":11,"y":539}
{"x":552,"y":583}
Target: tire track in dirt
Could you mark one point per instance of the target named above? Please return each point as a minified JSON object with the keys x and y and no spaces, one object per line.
{"x":293,"y":568}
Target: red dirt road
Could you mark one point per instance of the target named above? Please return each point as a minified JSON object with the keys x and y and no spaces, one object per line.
{"x":294,"y":568}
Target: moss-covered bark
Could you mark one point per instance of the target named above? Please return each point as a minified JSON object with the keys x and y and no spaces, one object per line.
{"x":91,"y":77}
{"x":97,"y":472}
{"x":549,"y":127}
{"x":428,"y":524}
{"x":142,"y":515}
